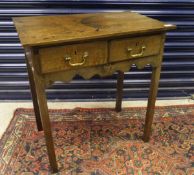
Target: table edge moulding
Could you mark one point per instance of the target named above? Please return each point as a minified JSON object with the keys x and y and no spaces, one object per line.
{"x":59,"y":47}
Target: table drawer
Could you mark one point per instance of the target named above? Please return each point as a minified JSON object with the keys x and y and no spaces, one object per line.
{"x":136,"y":47}
{"x":73,"y":56}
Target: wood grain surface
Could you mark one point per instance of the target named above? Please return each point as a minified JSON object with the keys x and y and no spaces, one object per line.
{"x":41,"y":30}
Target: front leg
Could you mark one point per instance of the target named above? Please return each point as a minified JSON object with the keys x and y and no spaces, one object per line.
{"x":40,"y":88}
{"x":151,"y":102}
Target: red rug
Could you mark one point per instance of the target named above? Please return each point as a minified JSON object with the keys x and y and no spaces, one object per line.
{"x":101,"y":142}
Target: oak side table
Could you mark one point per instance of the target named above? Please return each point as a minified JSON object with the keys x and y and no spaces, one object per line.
{"x":59,"y":47}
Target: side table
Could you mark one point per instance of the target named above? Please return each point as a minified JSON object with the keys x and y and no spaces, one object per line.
{"x":59,"y":47}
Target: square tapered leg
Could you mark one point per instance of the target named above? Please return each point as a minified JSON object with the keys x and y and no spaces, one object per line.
{"x":34,"y":97}
{"x":119,"y":95}
{"x":151,"y":102}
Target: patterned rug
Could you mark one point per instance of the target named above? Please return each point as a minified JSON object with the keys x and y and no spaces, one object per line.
{"x":101,"y":142}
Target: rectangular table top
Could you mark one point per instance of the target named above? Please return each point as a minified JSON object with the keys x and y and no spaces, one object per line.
{"x":43,"y":30}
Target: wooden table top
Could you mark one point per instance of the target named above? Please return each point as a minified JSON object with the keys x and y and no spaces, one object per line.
{"x":43,"y":30}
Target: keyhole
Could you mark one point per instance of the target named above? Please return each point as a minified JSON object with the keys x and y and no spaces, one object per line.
{"x":75,"y":52}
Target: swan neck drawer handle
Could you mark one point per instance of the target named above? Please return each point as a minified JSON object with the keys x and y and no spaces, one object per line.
{"x":129,"y":50}
{"x":68,"y":58}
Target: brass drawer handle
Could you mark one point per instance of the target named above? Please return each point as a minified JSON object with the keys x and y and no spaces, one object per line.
{"x":138,"y":54}
{"x":68,"y":58}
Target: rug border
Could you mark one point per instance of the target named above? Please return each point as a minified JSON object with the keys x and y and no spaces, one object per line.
{"x":18,"y":110}
{"x":97,"y":109}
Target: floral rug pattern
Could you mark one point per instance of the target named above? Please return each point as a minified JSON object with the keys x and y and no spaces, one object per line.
{"x":101,"y":142}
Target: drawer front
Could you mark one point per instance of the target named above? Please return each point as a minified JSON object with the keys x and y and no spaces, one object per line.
{"x":73,"y":56}
{"x":136,"y":47}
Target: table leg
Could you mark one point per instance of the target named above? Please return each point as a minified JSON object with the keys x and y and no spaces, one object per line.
{"x":34,"y":98}
{"x":119,"y":91}
{"x":151,"y":102}
{"x":39,"y":86}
